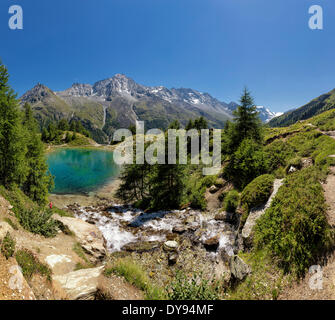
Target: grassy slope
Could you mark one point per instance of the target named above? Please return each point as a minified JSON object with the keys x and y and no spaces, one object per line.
{"x":316,"y":106}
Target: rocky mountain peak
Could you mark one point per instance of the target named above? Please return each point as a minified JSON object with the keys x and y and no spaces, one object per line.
{"x":37,"y":93}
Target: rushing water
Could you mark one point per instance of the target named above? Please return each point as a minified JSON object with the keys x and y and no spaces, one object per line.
{"x":80,"y":171}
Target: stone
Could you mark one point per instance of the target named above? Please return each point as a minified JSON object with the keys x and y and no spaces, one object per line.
{"x":225,"y":216}
{"x":213,"y":189}
{"x":4,"y":228}
{"x":88,"y":235}
{"x":212,"y":244}
{"x":179,"y":229}
{"x":60,"y":263}
{"x":78,"y":285}
{"x":238,"y":268}
{"x":140,"y":247}
{"x":172,"y":258}
{"x":292,"y":169}
{"x":171,"y":245}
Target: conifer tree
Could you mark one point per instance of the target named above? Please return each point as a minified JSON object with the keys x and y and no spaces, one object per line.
{"x":38,"y":180}
{"x":247,"y":123}
{"x":12,"y":143}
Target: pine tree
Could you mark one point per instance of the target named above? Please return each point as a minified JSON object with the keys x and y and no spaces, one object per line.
{"x":247,"y":123}
{"x":12,"y":143}
{"x":38,"y":181}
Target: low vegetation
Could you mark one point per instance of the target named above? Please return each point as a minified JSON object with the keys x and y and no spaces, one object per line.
{"x":136,"y":276}
{"x":30,"y":265}
{"x":8,"y":246}
{"x":194,"y":288}
{"x":257,"y":192}
{"x":39,"y":222}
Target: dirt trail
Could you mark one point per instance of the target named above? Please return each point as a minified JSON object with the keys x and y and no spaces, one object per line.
{"x":302,"y":290}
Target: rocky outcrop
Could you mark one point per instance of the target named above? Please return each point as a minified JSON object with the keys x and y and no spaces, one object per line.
{"x":88,"y":235}
{"x":256,"y":213}
{"x":238,"y":268}
{"x":78,"y":285}
{"x":4,"y":228}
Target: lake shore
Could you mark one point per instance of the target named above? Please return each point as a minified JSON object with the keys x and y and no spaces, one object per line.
{"x":102,"y":195}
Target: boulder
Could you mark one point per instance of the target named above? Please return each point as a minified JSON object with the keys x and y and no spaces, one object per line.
{"x":78,"y":285}
{"x":225,"y":216}
{"x":171,"y":245}
{"x":60,"y":263}
{"x":238,"y":268}
{"x":172,"y":258}
{"x":140,"y":247}
{"x":213,"y":243}
{"x":4,"y":228}
{"x":213,"y":189}
{"x":88,"y":235}
{"x":180,"y":229}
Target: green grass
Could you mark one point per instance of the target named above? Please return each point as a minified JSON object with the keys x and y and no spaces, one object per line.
{"x":77,"y":248}
{"x":30,"y":265}
{"x":264,"y":283}
{"x":295,"y":228}
{"x":8,"y":246}
{"x":136,"y":276}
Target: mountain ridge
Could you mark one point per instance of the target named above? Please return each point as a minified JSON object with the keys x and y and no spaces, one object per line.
{"x":118,"y":101}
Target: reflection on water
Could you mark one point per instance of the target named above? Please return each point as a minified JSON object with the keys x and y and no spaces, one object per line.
{"x":80,"y":171}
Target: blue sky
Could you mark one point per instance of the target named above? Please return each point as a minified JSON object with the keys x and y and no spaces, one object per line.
{"x":215,"y":46}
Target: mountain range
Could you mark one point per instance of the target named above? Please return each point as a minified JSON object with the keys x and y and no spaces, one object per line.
{"x":119,"y":101}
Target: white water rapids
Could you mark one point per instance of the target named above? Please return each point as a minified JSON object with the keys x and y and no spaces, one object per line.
{"x":122,"y":225}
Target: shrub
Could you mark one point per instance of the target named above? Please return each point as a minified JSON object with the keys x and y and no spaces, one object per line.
{"x":231,"y":201}
{"x":136,"y":276}
{"x":31,"y":265}
{"x":295,"y":162}
{"x":295,"y":228}
{"x":39,"y":222}
{"x":194,"y":288}
{"x":257,"y":192}
{"x":247,"y":163}
{"x":8,"y":246}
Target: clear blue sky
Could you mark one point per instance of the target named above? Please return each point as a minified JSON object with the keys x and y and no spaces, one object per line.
{"x":216,"y":46}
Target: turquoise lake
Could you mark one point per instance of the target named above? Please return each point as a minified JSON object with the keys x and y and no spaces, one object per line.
{"x":81,"y":171}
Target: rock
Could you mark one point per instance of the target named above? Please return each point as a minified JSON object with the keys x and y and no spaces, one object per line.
{"x":213,"y":243}
{"x":225,"y":216}
{"x":307,"y":162}
{"x":172,"y":258}
{"x":17,"y":282}
{"x":179,"y":229}
{"x":78,"y":285}
{"x":256,"y":213}
{"x":171,"y":245}
{"x":140,"y":247}
{"x":60,"y":264}
{"x":292,"y":169}
{"x":4,"y":228}
{"x":88,"y":235}
{"x":238,"y":268}
{"x":213,"y":189}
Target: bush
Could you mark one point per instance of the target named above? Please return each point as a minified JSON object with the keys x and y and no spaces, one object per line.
{"x":134,"y":274}
{"x":257,"y":192}
{"x":39,"y":222}
{"x":8,"y":246}
{"x":247,"y":163}
{"x":31,"y":265}
{"x":194,"y":288}
{"x":295,"y":162}
{"x":231,"y":201}
{"x":295,"y":228}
